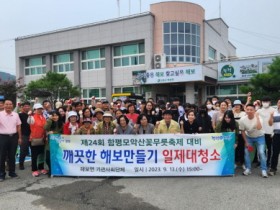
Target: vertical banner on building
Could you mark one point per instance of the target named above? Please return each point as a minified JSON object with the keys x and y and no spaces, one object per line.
{"x":143,"y":155}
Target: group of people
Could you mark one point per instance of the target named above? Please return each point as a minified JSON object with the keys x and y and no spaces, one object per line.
{"x":31,"y":127}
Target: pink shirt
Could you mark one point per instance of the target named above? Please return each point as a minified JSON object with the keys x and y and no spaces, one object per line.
{"x":9,"y":122}
{"x":133,"y":117}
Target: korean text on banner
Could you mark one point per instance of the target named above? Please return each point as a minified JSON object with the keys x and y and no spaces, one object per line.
{"x":143,"y":155}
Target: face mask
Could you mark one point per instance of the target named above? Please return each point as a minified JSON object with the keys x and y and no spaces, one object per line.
{"x":257,"y":107}
{"x":265,"y":105}
{"x":209,"y":106}
{"x":157,"y":110}
{"x":213,"y":102}
{"x":217,"y":108}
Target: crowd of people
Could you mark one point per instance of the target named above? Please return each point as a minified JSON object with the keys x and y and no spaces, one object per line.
{"x":255,"y":124}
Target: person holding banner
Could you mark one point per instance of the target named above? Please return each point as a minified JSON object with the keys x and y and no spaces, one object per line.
{"x":167,"y":125}
{"x":72,"y":125}
{"x":54,"y":125}
{"x":143,"y":126}
{"x":106,"y":126}
{"x":252,"y":132}
{"x":123,"y":126}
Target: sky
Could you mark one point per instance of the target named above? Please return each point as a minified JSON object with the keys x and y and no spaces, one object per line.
{"x":253,"y":24}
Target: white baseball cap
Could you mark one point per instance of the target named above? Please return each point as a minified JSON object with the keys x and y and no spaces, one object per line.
{"x":72,"y":113}
{"x":237,"y":102}
{"x":38,"y":106}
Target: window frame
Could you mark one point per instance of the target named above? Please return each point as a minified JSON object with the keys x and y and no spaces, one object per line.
{"x":37,"y":69}
{"x":120,"y":58}
{"x":176,"y":42}
{"x":92,"y":62}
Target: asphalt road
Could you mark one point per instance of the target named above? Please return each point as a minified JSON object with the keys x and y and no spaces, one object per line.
{"x":238,"y":192}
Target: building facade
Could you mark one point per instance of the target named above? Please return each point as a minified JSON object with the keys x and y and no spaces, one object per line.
{"x":173,"y":44}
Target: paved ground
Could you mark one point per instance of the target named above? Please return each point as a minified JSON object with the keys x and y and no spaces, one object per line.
{"x":238,"y":192}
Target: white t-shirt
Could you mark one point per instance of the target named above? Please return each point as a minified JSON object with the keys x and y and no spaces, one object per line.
{"x":250,"y":127}
{"x":265,"y":116}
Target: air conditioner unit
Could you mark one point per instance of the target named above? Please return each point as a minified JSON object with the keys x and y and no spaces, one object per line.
{"x":159,"y":61}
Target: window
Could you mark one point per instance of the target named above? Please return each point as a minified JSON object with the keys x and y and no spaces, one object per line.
{"x":93,"y":59}
{"x":36,"y":65}
{"x":129,"y":55}
{"x":181,"y":42}
{"x":227,"y":90}
{"x":211,"y":90}
{"x":97,"y":92}
{"x":127,"y":90}
{"x":211,"y":54}
{"x":63,"y":62}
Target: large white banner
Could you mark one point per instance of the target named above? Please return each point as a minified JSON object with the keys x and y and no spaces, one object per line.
{"x":143,"y":155}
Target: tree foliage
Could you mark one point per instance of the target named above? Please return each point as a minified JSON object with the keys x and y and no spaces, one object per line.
{"x":10,"y":89}
{"x":54,"y":85}
{"x":265,"y":84}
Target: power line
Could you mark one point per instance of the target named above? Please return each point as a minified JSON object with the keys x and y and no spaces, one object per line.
{"x":274,"y":39}
{"x":254,"y":47}
{"x":266,"y":35}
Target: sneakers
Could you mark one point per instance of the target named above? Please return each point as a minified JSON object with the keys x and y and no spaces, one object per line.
{"x":247,"y":172}
{"x":264,"y":174}
{"x":13,"y":175}
{"x":271,"y":172}
{"x":44,"y":171}
{"x":35,"y":173}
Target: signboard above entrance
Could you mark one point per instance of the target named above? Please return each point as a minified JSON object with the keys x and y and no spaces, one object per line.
{"x":170,"y":75}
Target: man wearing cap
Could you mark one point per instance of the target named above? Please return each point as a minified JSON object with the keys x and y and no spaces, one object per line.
{"x":105,"y":106}
{"x":167,"y":125}
{"x":238,"y":114}
{"x":10,"y":136}
{"x":86,"y":128}
{"x":72,"y":125}
{"x":265,"y":113}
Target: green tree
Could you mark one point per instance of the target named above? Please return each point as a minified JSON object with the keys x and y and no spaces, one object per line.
{"x":265,"y":84}
{"x":11,"y":89}
{"x":54,"y":85}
